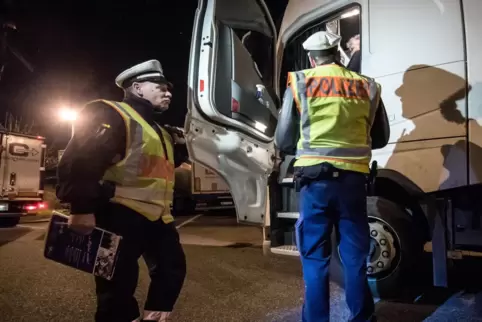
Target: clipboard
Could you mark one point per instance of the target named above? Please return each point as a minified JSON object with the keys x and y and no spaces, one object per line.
{"x":96,"y":253}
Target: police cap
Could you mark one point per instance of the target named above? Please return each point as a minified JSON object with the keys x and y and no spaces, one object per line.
{"x":150,"y":70}
{"x":321,"y":40}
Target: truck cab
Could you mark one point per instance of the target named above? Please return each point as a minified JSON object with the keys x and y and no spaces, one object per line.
{"x":424,"y":53}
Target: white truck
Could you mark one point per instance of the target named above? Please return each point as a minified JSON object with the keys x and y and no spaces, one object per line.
{"x":199,"y":189}
{"x":209,"y":190}
{"x":22,"y":168}
{"x":424,"y":53}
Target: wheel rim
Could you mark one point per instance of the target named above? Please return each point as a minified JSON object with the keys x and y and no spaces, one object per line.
{"x":384,"y":255}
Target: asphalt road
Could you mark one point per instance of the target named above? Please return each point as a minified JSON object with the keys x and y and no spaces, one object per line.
{"x":228,"y":279}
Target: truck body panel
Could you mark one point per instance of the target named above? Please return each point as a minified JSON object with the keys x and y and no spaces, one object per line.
{"x":198,"y":188}
{"x":209,"y":190}
{"x":205,"y":181}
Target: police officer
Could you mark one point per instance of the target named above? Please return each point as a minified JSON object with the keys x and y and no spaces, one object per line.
{"x":339,"y":118}
{"x":355,"y":55}
{"x":118,"y":172}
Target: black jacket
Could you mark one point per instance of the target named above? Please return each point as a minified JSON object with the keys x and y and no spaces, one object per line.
{"x":94,"y":148}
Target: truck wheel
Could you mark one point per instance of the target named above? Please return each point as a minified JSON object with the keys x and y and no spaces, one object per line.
{"x":9,"y":222}
{"x":394,"y":252}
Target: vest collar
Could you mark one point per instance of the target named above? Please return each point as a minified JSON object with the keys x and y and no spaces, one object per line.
{"x":333,"y":64}
{"x":142,"y":106}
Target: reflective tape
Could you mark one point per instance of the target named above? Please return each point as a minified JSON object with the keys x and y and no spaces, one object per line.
{"x":335,"y":152}
{"x":134,"y":144}
{"x":375,"y":95}
{"x":143,"y":194}
{"x":305,"y":115}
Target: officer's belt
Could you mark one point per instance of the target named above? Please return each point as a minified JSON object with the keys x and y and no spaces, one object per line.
{"x":322,"y":171}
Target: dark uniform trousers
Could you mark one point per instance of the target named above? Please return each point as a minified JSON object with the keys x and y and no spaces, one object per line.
{"x":333,"y":198}
{"x":159,"y":244}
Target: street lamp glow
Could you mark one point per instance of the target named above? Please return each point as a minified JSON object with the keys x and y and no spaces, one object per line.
{"x":68,"y":114}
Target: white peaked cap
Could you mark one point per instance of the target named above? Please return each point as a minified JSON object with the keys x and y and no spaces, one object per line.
{"x":150,"y":70}
{"x":321,"y":40}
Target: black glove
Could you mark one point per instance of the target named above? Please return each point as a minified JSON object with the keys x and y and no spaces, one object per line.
{"x":177,"y":133}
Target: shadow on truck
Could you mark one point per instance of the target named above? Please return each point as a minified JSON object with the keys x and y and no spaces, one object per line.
{"x":447,"y":220}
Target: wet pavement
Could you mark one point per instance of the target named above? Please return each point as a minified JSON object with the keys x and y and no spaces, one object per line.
{"x":228,"y":279}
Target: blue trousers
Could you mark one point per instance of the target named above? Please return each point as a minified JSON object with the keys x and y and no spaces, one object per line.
{"x":338,"y":203}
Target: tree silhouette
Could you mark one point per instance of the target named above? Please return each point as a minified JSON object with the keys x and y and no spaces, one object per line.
{"x":21,"y":125}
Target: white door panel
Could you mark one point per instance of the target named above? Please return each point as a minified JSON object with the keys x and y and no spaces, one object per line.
{"x":398,"y":30}
{"x":227,"y":128}
{"x":234,"y":156}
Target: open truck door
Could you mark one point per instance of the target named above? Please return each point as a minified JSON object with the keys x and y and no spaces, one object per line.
{"x":227,"y":128}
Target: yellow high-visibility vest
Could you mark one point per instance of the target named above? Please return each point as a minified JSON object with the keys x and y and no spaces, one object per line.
{"x":144,"y":179}
{"x":337,"y":109}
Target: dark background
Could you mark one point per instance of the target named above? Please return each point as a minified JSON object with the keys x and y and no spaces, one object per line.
{"x":78,"y":48}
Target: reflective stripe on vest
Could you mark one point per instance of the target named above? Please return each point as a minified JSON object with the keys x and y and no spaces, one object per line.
{"x":144,"y":179}
{"x":337,"y":108}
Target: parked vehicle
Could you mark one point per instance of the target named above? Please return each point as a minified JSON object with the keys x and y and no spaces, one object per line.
{"x":22,"y":169}
{"x":199,"y":189}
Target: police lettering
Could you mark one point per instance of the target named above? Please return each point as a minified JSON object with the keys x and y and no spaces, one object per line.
{"x":337,"y":87}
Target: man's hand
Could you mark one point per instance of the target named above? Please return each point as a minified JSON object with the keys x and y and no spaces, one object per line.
{"x":176,"y":133}
{"x":83,"y":224}
{"x":178,"y":139}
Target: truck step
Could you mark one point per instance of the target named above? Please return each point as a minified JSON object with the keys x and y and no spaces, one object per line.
{"x":289,"y":250}
{"x":288,"y":215}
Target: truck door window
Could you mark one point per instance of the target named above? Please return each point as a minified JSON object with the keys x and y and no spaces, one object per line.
{"x":260,"y":48}
{"x":244,"y":59}
{"x":346,"y":23}
{"x":229,"y":128}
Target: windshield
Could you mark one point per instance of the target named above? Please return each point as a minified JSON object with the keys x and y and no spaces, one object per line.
{"x":346,"y":24}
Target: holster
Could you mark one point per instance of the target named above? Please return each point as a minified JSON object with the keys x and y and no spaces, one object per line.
{"x":306,"y":175}
{"x":371,"y":178}
{"x":107,"y":190}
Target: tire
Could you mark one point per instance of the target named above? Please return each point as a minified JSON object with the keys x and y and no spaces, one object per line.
{"x":9,"y":222}
{"x":392,"y":231}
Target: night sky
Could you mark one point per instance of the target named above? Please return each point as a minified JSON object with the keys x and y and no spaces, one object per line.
{"x":79,"y":47}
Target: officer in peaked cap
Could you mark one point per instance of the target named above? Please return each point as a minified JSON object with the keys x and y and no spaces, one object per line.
{"x":117,"y":173}
{"x":355,"y":54}
{"x":150,"y":80}
{"x":331,"y":170}
{"x":321,"y":41}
